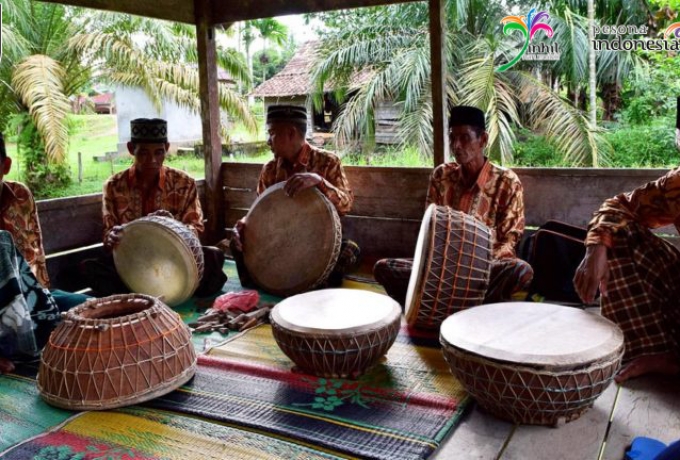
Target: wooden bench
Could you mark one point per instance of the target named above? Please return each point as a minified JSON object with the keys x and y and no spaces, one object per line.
{"x":389,"y":202}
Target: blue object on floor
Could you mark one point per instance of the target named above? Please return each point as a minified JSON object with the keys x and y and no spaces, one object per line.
{"x":644,"y":449}
{"x":672,"y":452}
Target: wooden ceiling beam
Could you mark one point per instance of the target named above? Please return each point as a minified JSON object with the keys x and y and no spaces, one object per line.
{"x":221,"y":12}
{"x":169,"y":10}
{"x":241,"y":10}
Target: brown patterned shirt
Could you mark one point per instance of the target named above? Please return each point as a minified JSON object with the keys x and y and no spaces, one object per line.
{"x":326,"y":164}
{"x":19,"y":216}
{"x":655,"y":204}
{"x":176,"y":193}
{"x":496,"y":199}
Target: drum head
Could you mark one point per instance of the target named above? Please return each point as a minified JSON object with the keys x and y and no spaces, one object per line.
{"x":420,"y":259}
{"x":153,"y":259}
{"x":291,"y":245}
{"x":534,"y":334}
{"x":335,"y":311}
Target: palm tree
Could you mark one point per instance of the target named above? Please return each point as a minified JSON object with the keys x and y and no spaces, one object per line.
{"x":270,"y":30}
{"x":396,"y":58}
{"x":51,"y":52}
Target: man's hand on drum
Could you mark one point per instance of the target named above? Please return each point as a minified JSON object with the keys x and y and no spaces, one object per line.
{"x":237,"y":234}
{"x":113,"y":238}
{"x":593,"y":272}
{"x":301,"y":181}
{"x":6,"y":366}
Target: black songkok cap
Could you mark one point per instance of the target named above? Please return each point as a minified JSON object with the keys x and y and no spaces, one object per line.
{"x":149,"y":130}
{"x":466,"y":115}
{"x":291,"y":113}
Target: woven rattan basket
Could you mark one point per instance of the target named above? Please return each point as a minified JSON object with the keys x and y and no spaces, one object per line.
{"x":115,"y":351}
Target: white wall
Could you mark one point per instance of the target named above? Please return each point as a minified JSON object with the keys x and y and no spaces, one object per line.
{"x":184,"y":127}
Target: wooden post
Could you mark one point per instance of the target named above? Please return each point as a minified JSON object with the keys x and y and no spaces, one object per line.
{"x":210,"y":118}
{"x":439,"y":71}
{"x":80,"y":168}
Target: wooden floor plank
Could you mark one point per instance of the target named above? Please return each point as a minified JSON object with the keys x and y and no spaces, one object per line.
{"x":648,"y":406}
{"x":577,"y":440}
{"x":479,"y":437}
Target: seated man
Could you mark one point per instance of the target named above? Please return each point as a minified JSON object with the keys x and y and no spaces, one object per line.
{"x":27,"y":309}
{"x":149,"y":188}
{"x":475,"y":186}
{"x":19,"y":216}
{"x":301,"y":166}
{"x":638,"y":273}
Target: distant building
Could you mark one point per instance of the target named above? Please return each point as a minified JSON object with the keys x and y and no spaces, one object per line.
{"x":99,"y":103}
{"x":292,"y":85}
{"x":184,"y":126}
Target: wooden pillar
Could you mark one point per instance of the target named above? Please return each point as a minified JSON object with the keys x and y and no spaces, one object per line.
{"x":439,"y":71}
{"x":210,"y":120}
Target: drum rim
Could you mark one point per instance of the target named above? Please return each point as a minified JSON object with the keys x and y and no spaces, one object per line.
{"x":613,"y":346}
{"x":189,"y":289}
{"x":277,"y":320}
{"x":422,"y":255}
{"x":333,"y":255}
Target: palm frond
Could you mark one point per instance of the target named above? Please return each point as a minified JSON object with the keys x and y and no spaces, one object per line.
{"x":563,"y":125}
{"x":38,"y":82}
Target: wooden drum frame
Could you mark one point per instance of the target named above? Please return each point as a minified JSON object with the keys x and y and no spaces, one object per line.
{"x":336,"y":332}
{"x":532,"y":363}
{"x":451,"y":267}
{"x":115,"y":351}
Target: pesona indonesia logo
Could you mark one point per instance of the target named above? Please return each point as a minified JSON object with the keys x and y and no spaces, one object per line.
{"x":674,"y":30}
{"x":631,"y":38}
{"x":528,"y":26}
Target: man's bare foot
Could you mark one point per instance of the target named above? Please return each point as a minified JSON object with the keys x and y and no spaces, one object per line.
{"x":664,"y":363}
{"x":6,"y":366}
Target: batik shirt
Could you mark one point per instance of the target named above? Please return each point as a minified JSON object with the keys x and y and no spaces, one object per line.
{"x":19,"y":216}
{"x":176,"y":193}
{"x":496,"y":199}
{"x":312,"y":160}
{"x":653,"y":205}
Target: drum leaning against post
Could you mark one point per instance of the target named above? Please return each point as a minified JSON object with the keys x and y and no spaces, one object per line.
{"x":160,"y":257}
{"x":532,"y":363}
{"x":291,"y":244}
{"x":450,"y":268}
{"x":336,"y":332}
{"x":115,"y":351}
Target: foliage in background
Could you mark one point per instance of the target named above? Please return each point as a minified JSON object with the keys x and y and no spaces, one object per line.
{"x":389,"y":48}
{"x":653,"y":92}
{"x":268,"y":63}
{"x":52,"y":52}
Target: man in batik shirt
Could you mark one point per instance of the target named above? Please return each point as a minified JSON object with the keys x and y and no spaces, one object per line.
{"x":149,"y":188}
{"x":28,"y":311}
{"x":301,"y":166}
{"x":638,"y":273}
{"x":19,"y":216}
{"x":489,"y":193}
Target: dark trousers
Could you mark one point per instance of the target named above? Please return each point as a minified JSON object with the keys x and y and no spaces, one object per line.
{"x":507,"y":277}
{"x":102,"y":277}
{"x":347,"y":260}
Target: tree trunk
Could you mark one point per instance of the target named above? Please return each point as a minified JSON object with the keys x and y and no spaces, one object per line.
{"x":611,"y":99}
{"x":592,"y":74}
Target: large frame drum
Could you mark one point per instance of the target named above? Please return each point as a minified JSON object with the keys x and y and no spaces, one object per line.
{"x":291,"y":244}
{"x":115,"y":351}
{"x":532,"y":363}
{"x":450,"y":268}
{"x":160,"y":257}
{"x":336,"y":332}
